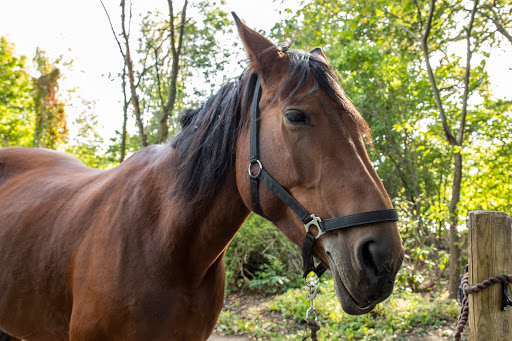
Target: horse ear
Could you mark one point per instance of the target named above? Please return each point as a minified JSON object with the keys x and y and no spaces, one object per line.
{"x":319,"y":54}
{"x":261,"y":51}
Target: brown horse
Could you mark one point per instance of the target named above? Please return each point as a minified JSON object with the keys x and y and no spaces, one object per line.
{"x":136,"y":252}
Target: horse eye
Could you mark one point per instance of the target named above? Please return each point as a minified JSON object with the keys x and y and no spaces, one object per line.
{"x":297,"y":117}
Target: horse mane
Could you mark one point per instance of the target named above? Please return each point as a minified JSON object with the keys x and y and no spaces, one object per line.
{"x":207,"y":141}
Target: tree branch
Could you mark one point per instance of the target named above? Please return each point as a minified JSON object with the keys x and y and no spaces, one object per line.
{"x":469,"y":53}
{"x":411,"y":33}
{"x":112,"y":28}
{"x":171,"y":29}
{"x":495,"y":20}
{"x":435,"y":88}
{"x":163,"y":128}
{"x":131,"y":78}
{"x":420,"y":17}
{"x":159,"y":86}
{"x":182,"y":27}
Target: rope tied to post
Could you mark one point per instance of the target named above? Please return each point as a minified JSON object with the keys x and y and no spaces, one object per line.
{"x":468,"y":290}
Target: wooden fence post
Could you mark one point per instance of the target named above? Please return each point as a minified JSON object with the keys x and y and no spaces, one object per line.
{"x":489,"y":254}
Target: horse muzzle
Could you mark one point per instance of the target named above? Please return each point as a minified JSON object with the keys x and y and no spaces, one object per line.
{"x":365,"y":275}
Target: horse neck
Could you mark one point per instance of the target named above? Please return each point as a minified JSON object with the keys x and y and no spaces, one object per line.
{"x":198,"y":233}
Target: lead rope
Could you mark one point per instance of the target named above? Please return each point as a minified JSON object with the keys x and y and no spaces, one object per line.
{"x":468,"y":289}
{"x":311,"y":323}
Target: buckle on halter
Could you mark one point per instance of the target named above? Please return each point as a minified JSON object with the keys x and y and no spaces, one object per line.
{"x":315,"y":221}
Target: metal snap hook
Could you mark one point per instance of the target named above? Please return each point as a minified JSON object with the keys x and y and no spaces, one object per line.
{"x":311,"y":311}
{"x":313,"y":291}
{"x":505,"y":300}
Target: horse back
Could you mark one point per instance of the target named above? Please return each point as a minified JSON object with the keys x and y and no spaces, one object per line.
{"x":36,"y":186}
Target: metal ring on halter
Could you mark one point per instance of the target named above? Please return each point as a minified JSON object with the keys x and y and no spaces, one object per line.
{"x":259,"y":170}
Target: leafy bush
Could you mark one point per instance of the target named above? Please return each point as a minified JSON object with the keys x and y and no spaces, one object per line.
{"x":261,"y":258}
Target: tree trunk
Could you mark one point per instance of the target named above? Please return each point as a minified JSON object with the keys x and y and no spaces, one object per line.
{"x":454,"y":271}
{"x":457,"y":142}
{"x":131,"y":79}
{"x":128,"y":63}
{"x":125,"y":118}
{"x":163,"y":120}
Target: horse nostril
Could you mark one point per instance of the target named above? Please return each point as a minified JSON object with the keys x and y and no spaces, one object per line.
{"x":367,"y":259}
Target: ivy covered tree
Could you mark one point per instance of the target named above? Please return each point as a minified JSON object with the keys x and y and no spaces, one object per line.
{"x":50,"y":124}
{"x":16,"y":102}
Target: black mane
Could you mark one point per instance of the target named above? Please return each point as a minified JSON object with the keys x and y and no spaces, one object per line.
{"x":207,"y":142}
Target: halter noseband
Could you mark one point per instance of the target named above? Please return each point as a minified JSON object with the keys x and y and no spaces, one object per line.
{"x":323,"y":226}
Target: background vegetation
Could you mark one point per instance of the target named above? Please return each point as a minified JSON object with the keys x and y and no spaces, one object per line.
{"x":418,"y":71}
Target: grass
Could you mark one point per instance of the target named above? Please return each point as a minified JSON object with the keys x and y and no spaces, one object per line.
{"x":282,"y":318}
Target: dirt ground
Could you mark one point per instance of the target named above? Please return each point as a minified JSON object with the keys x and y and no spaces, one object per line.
{"x":413,"y":337}
{"x":228,"y":338}
{"x":243,"y":302}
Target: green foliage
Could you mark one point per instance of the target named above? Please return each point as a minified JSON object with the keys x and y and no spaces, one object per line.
{"x":260,"y":258}
{"x":16,"y":104}
{"x":283,"y":317}
{"x":271,"y":276}
{"x":488,"y":181}
{"x":375,"y":47}
{"x":86,"y":144}
{"x":202,"y":58}
{"x":113,"y":151}
{"x":32,"y":111}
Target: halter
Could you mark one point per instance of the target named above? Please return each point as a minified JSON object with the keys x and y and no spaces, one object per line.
{"x":323,"y":226}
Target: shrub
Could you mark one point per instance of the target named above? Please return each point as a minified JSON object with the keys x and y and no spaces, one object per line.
{"x":262,"y":259}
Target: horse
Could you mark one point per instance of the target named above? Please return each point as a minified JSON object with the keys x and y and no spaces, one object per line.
{"x":136,"y":252}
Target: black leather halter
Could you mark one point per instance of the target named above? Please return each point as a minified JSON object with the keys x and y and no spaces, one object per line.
{"x":307,"y":219}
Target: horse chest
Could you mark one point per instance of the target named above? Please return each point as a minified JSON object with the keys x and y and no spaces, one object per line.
{"x":150,"y":312}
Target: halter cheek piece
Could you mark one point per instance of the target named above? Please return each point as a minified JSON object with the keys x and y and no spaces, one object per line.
{"x":307,"y":219}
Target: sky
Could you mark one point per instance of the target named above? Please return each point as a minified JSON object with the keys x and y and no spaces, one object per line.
{"x":79,"y":30}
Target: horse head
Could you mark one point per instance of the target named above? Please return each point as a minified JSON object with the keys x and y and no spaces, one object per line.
{"x":311,"y":139}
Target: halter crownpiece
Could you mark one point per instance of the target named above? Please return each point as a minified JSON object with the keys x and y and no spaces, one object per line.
{"x":323,"y":226}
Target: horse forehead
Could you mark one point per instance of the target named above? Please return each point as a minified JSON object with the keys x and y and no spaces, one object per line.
{"x":311,"y":97}
{"x":316,"y":102}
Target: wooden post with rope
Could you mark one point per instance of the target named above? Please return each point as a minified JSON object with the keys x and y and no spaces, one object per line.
{"x":489,"y":254}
